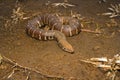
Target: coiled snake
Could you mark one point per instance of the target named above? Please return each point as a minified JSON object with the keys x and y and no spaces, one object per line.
{"x":59,"y":28}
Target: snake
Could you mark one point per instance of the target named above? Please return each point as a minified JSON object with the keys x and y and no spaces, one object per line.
{"x":58,"y":29}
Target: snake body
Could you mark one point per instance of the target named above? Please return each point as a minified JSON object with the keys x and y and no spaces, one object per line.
{"x":59,"y":28}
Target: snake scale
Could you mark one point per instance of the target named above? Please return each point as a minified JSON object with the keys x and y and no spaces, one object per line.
{"x":59,"y":28}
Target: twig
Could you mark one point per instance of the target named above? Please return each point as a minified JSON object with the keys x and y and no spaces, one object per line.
{"x":28,"y":76}
{"x":27,"y":68}
{"x":10,"y":75}
{"x":86,"y":30}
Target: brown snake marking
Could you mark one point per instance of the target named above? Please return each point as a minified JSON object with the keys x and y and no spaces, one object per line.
{"x":59,"y":28}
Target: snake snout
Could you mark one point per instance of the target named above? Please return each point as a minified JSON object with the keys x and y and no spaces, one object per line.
{"x":68,"y":48}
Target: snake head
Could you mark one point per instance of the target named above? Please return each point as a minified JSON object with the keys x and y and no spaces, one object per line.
{"x":66,"y":46}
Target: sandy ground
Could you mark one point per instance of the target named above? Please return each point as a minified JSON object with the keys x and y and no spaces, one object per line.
{"x":46,"y":56}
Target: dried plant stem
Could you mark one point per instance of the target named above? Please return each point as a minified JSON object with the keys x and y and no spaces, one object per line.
{"x":28,"y":76}
{"x":90,"y":31}
{"x":10,"y":75}
{"x":112,"y":66}
{"x":16,"y":65}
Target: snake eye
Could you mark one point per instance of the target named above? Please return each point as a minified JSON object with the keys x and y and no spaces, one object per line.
{"x":67,"y":50}
{"x":64,"y":49}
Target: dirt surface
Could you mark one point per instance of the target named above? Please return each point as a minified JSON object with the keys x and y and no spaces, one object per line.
{"x":46,"y":56}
